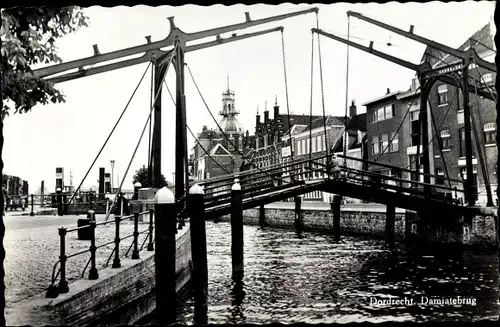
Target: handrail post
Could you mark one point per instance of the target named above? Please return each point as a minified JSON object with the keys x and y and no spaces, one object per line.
{"x":150,"y":243}
{"x":116,"y":260}
{"x":93,"y":274}
{"x":63,"y":283}
{"x":32,"y":213}
{"x":135,"y":252}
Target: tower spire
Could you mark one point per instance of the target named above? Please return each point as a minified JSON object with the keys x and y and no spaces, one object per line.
{"x":276,"y":100}
{"x":228,"y":81}
{"x":265,"y":105}
{"x":257,"y":109}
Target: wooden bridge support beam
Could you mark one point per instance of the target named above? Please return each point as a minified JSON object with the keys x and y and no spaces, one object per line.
{"x":389,"y":225}
{"x":165,"y":247}
{"x":196,"y":209}
{"x":298,"y":213}
{"x":335,"y":206}
{"x":262,"y":216}
{"x":237,"y":229}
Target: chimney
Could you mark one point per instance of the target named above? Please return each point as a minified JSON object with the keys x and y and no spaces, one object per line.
{"x":257,"y":117}
{"x":276,"y":108}
{"x":266,"y":114}
{"x":388,"y":90}
{"x":352,"y":109}
{"x":414,"y":84}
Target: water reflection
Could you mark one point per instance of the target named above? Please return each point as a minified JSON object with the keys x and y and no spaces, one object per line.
{"x":312,"y":278}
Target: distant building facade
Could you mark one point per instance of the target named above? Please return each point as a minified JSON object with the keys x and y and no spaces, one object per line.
{"x":386,"y":113}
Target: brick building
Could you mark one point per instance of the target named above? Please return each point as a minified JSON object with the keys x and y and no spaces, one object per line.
{"x":386,"y":113}
{"x":214,"y":151}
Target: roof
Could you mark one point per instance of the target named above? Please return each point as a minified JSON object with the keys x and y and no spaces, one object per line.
{"x":385,"y":96}
{"x":357,"y":123}
{"x":320,"y":122}
{"x":481,"y":41}
{"x":408,"y":94}
{"x":219,"y":149}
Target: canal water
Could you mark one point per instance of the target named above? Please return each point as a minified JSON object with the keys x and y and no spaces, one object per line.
{"x":310,"y":278}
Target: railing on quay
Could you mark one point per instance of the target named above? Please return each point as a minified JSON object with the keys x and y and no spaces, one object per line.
{"x":62,"y":287}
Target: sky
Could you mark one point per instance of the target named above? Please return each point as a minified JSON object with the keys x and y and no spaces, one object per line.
{"x":71,"y":134}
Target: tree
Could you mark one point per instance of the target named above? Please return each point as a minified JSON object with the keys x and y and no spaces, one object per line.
{"x":28,"y":38}
{"x":141,"y":176}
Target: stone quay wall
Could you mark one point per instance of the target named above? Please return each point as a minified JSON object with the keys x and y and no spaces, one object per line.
{"x":369,"y":220}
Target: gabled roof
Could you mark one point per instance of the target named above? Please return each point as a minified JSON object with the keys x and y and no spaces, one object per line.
{"x":385,"y":96}
{"x":219,"y":149}
{"x":320,"y":122}
{"x":357,"y":123}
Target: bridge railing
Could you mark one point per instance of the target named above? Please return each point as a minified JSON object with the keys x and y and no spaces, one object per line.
{"x":88,"y":233}
{"x":383,"y":182}
{"x":259,"y":182}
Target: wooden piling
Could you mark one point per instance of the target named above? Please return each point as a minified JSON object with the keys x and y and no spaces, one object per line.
{"x":196,"y":209}
{"x":237,"y":229}
{"x":298,"y":213}
{"x":165,"y":217}
{"x":389,"y":224}
{"x":262,"y":216}
{"x":335,"y":206}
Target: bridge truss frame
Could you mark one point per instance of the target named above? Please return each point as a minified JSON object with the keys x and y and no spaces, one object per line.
{"x":455,"y":75}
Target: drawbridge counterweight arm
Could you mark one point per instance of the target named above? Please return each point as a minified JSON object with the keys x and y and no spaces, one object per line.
{"x":154,"y":53}
{"x":152,"y":48}
{"x":421,"y":68}
{"x":464,"y":55}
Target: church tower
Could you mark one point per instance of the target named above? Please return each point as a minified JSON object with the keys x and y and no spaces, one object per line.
{"x":229,"y":123}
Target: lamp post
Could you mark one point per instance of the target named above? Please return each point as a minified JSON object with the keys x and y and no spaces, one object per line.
{"x":112,"y":176}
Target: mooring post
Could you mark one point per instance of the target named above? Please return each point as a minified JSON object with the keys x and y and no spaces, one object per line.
{"x":32,"y":213}
{"x":63,"y":283}
{"x":150,"y":242}
{"x":298,"y":212}
{"x":135,"y":252}
{"x":389,"y":224}
{"x":196,"y":209}
{"x":116,"y":259}
{"x":335,"y":206}
{"x":165,"y":228}
{"x":237,"y":228}
{"x":59,"y":202}
{"x":137,"y":186}
{"x":262,"y":216}
{"x":93,"y":274}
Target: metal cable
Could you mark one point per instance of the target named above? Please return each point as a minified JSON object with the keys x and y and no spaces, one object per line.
{"x":399,"y":127}
{"x":150,"y":103}
{"x":109,"y":136}
{"x":487,"y":86}
{"x":432,"y":139}
{"x":215,"y":120}
{"x":311,"y":100}
{"x":346,"y":132}
{"x":286,"y":92}
{"x":440,"y":142}
{"x":321,"y":79}
{"x":142,"y":134}
{"x":189,"y":129}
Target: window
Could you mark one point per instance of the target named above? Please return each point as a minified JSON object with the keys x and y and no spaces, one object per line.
{"x":319,"y":145}
{"x":298,"y":148}
{"x":487,"y":78}
{"x":414,"y":116}
{"x":446,"y":138}
{"x":383,"y":113}
{"x":389,"y":111}
{"x":395,"y":142}
{"x":460,"y":117}
{"x":307,"y":145}
{"x":380,"y":114}
{"x":304,"y":149}
{"x":440,"y":176}
{"x":443,"y":94}
{"x":490,"y":133}
{"x":385,"y":143}
{"x":313,"y":145}
{"x":472,"y":65}
{"x":375,"y":145}
{"x":462,"y":144}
